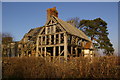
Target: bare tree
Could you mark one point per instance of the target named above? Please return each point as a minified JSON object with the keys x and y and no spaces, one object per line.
{"x":6,"y":38}
{"x":74,"y":21}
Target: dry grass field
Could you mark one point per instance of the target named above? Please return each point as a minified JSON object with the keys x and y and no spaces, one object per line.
{"x":32,"y":67}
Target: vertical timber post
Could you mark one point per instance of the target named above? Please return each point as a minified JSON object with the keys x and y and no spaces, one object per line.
{"x":41,"y":45}
{"x":59,"y":53}
{"x":45,"y":53}
{"x":45,"y":47}
{"x":65,"y":46}
{"x":46,"y":28}
{"x":76,"y":51}
{"x":37,"y":46}
{"x":41,"y":51}
{"x":59,"y":46}
{"x":54,"y":50}
{"x":41,"y":40}
{"x":72,"y":51}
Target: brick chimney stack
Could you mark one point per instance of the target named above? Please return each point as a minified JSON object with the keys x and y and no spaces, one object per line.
{"x":52,"y":11}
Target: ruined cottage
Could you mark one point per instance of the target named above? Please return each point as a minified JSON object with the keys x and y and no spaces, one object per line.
{"x":56,"y":38}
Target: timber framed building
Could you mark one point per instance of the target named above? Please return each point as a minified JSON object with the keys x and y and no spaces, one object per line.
{"x":56,"y":38}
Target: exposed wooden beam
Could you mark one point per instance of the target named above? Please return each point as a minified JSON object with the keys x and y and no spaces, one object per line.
{"x":59,"y":38}
{"x":52,"y":33}
{"x":49,"y":39}
{"x":45,"y":40}
{"x":45,"y":54}
{"x":76,"y":51}
{"x":41,"y":52}
{"x":76,"y":41}
{"x":46,"y":28}
{"x":65,"y":46}
{"x":71,"y":50}
{"x":37,"y":43}
{"x":54,"y":29}
{"x":54,"y":52}
{"x":41,"y":31}
{"x":41,"y":40}
{"x":59,"y":52}
{"x":54,"y":38}
{"x":51,"y":45}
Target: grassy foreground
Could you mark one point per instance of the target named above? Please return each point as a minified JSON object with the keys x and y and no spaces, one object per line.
{"x":32,"y":67}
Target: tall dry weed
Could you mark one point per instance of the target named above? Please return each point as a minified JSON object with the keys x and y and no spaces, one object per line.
{"x":32,"y":67}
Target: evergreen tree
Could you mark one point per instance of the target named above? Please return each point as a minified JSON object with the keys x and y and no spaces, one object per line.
{"x":97,"y":30}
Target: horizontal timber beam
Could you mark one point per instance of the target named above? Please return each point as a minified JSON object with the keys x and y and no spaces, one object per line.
{"x":51,"y":34}
{"x":51,"y":45}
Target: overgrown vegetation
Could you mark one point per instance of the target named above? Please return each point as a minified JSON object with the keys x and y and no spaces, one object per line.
{"x":32,"y":67}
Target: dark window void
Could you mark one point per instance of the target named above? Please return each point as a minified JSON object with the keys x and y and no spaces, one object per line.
{"x":50,"y":50}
